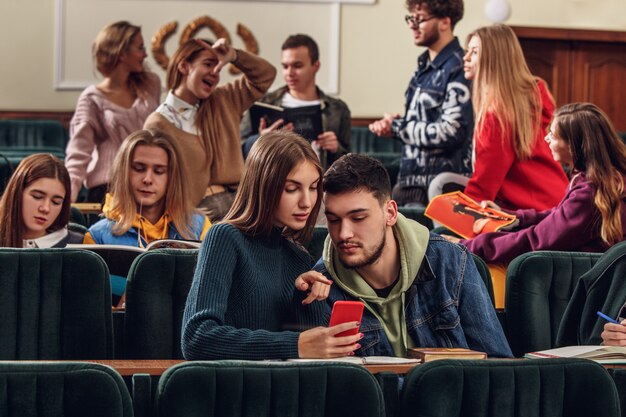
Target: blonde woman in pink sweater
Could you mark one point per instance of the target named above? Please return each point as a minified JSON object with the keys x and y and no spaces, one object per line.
{"x":108,"y":112}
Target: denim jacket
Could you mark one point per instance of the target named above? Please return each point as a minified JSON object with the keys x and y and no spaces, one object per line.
{"x":438,"y":124}
{"x":446,"y":306}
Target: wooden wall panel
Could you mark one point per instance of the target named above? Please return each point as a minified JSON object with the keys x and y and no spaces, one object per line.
{"x":580,"y":65}
{"x":600,"y":78}
{"x":550,"y":61}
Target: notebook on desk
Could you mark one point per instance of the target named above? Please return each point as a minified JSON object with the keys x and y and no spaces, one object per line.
{"x":600,"y":354}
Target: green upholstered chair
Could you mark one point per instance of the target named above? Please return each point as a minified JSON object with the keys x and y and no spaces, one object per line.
{"x":32,"y":134}
{"x":316,"y":245}
{"x":77,"y":228}
{"x":17,"y":153}
{"x":54,"y":304}
{"x":259,"y":389}
{"x":503,"y":388}
{"x":68,"y":389}
{"x":539,"y":286}
{"x":619,"y":377}
{"x":602,"y":288}
{"x":483,"y":270}
{"x":364,"y":141}
{"x":76,"y":216}
{"x":417,"y":214}
{"x":6,"y":170}
{"x":386,"y":150}
{"x":156,"y":292}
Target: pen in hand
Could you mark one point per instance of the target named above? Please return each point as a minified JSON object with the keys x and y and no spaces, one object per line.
{"x":607,"y":318}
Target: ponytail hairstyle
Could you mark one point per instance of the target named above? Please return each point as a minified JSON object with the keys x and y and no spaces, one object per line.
{"x":599,"y":152}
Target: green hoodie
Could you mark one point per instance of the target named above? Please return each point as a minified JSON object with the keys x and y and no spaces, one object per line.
{"x":412,"y":240}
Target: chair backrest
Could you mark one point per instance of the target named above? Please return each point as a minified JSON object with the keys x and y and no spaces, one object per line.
{"x":259,"y":389}
{"x":364,"y":141}
{"x":316,"y":245}
{"x":156,"y":292}
{"x":483,"y":270}
{"x":62,"y":390}
{"x":54,"y":304}
{"x":539,"y":286}
{"x":417,"y":214}
{"x":76,"y":216}
{"x":386,"y":150}
{"x":32,"y":134}
{"x":503,"y":388}
{"x":602,"y":288}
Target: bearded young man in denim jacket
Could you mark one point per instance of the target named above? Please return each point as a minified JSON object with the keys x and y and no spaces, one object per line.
{"x":438,"y":123}
{"x":300,"y":62}
{"x":419,"y":290}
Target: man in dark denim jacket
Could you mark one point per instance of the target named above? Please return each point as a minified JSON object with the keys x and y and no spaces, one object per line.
{"x":419,"y":290}
{"x":300,"y":61}
{"x":438,"y":123}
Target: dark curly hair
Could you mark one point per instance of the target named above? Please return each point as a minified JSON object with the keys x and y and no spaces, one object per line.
{"x":354,"y":172}
{"x":440,"y":8}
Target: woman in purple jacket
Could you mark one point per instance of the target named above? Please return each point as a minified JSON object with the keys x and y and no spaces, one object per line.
{"x":592,"y":215}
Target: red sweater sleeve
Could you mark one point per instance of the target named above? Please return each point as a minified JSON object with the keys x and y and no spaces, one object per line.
{"x":494,"y":158}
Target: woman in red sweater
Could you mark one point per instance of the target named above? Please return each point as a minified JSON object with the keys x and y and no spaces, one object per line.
{"x":513,"y":165}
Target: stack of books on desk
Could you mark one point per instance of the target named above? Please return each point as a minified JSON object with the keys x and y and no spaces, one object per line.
{"x":415,"y":355}
{"x":433,"y":354}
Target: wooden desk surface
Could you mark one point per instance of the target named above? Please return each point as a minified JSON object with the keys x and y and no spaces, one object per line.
{"x":157,"y":367}
{"x":88,"y":208}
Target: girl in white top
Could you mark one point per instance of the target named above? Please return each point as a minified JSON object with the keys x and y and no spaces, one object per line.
{"x":35,"y":207}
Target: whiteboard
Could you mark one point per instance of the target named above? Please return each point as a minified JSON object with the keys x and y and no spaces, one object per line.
{"x":79,"y":21}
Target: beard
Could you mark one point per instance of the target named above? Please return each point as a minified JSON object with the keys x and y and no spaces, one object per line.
{"x":428,"y":38}
{"x":368,"y":258}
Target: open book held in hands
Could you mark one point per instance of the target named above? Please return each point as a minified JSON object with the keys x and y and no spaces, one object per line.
{"x":601,"y":354}
{"x":466,"y":217}
{"x":432,"y":354}
{"x":307,"y":120}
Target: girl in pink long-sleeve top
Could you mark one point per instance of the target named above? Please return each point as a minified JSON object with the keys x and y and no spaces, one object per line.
{"x":108,"y":112}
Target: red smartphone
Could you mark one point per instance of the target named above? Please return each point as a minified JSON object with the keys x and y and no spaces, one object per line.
{"x":346,"y":311}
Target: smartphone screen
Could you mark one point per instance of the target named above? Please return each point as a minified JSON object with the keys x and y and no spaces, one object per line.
{"x":346,"y":311}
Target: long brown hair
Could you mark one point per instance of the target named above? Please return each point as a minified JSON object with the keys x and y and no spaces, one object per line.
{"x":110,"y":43}
{"x":270,"y":161}
{"x":31,"y":169}
{"x":599,"y":152}
{"x":188,"y":52}
{"x":123,"y":207}
{"x":505,"y":87}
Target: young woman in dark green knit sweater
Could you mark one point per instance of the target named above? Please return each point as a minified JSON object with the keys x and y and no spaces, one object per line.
{"x":242,"y":303}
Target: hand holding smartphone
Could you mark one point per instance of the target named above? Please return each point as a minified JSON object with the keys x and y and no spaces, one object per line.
{"x":344,"y":312}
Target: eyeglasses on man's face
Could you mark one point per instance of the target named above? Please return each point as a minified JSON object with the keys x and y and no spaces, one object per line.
{"x":416,"y":20}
